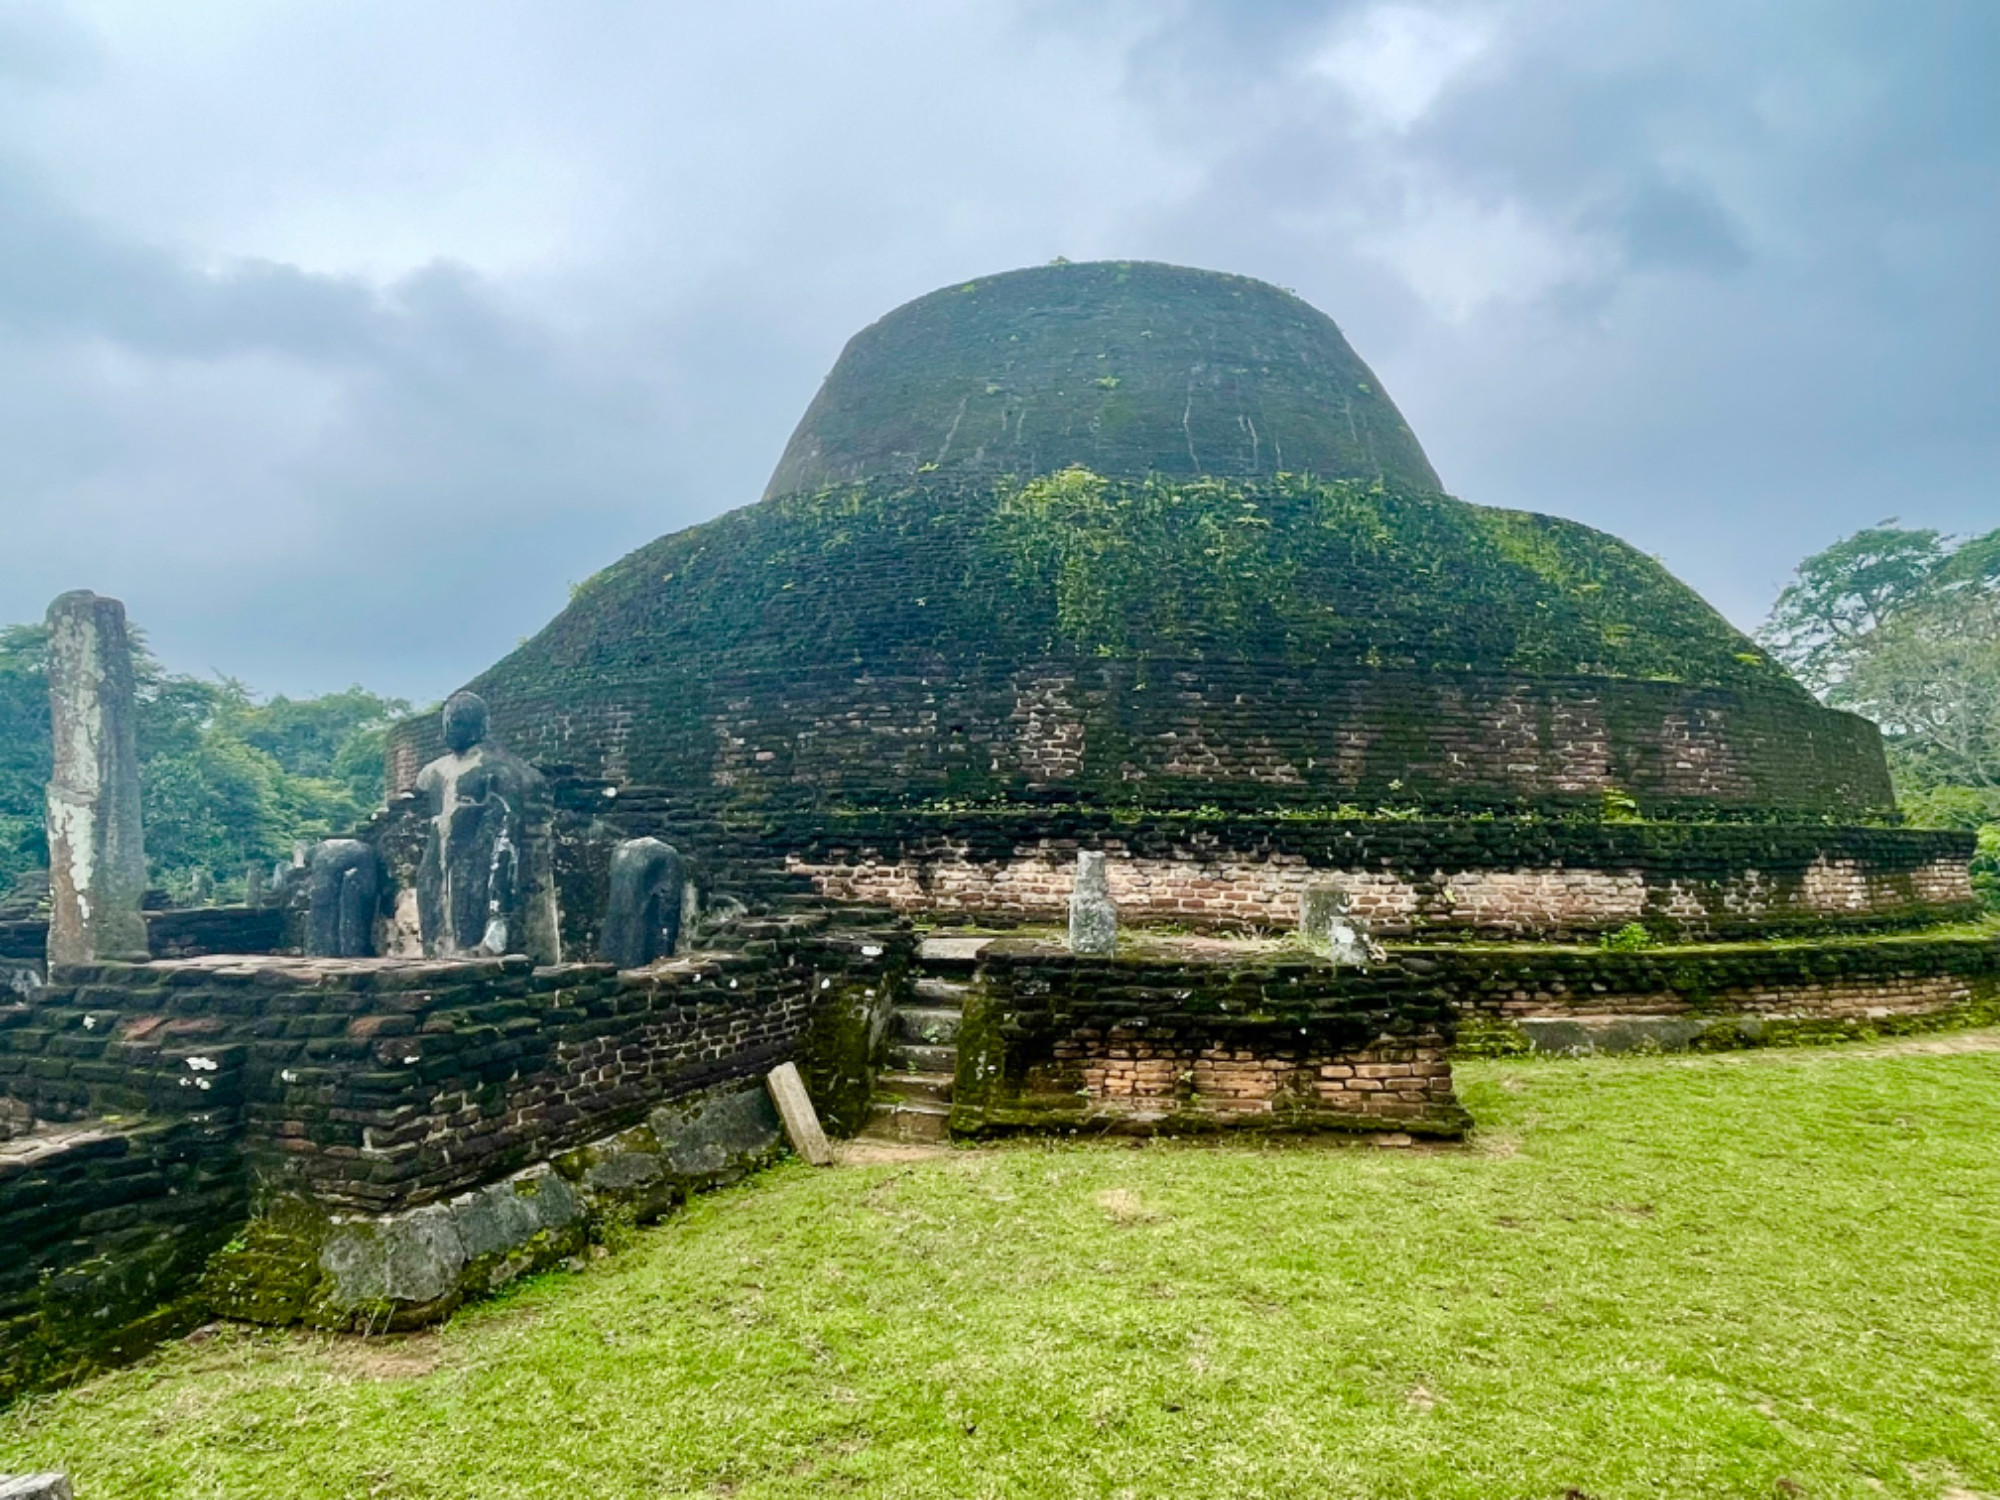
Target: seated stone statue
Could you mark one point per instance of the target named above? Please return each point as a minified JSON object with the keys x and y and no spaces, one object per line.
{"x":477,"y":872}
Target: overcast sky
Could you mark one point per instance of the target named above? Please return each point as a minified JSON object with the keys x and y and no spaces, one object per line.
{"x":339,"y":338}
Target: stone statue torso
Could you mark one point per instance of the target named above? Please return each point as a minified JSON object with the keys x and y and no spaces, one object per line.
{"x":471,"y":884}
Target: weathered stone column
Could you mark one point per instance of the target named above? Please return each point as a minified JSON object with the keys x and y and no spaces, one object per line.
{"x":1093,"y":920}
{"x":97,"y":856}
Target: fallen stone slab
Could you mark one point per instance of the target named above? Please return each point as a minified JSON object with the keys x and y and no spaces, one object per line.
{"x":36,"y":1487}
{"x":788,"y":1092}
{"x":952,"y":949}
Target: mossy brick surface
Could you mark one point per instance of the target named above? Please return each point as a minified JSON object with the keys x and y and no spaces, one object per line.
{"x":1170,"y":1036}
{"x":385,"y":1096}
{"x":1519,"y":979}
{"x":1125,"y":367}
{"x":107,"y":1228}
{"x":902,"y":622}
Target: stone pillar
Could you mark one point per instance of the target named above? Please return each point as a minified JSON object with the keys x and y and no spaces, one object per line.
{"x":97,"y":857}
{"x":1093,"y":920}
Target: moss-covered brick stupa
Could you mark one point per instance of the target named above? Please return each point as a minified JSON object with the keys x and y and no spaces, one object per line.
{"x":1133,"y":536}
{"x":1118,"y":368}
{"x":1143,"y":561}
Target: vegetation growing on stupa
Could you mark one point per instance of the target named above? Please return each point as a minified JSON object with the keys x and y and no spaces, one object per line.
{"x":1287,"y":569}
{"x":1131,"y":533}
{"x":1123,"y":367}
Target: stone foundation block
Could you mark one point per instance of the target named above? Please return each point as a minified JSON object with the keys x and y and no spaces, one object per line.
{"x":297,"y":1263}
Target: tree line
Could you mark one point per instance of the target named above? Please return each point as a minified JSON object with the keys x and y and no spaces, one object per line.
{"x":1902,"y":625}
{"x":227,"y":780}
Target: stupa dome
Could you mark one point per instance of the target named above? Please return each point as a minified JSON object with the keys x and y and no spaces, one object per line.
{"x":1126,"y":534}
{"x":1125,"y":368}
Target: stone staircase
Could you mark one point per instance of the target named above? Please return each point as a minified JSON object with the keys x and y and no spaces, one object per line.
{"x":913,"y":1090}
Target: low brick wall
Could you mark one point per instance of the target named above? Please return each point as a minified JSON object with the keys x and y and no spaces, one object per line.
{"x":385,"y":1083}
{"x":333,"y":1118}
{"x":1191,"y":1035}
{"x":181,"y":932}
{"x":298,"y":1262}
{"x":106,"y":1229}
{"x":1720,"y":994}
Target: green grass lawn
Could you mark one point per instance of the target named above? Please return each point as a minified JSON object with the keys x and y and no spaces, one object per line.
{"x":1768,"y":1274}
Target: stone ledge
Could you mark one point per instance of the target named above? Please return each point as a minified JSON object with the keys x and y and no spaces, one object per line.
{"x":297,"y":1263}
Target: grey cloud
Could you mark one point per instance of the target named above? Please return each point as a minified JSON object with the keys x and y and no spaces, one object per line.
{"x":1727,"y":285}
{"x":61,"y":274}
{"x":42,"y":44}
{"x":1662,"y":223}
{"x":1780,"y":316}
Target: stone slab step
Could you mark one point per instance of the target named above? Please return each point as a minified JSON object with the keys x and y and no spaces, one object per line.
{"x":932,"y":1087}
{"x":908,"y":1121}
{"x":944,"y":992}
{"x":927,"y":1025}
{"x":918,"y":1057}
{"x":951,"y":952}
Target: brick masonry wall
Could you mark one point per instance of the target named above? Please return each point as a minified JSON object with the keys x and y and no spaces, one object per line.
{"x":384,"y":1083}
{"x":1193,"y":1035}
{"x":1511,"y":903}
{"x":1165,"y":1070}
{"x":106,"y":1230}
{"x":1504,"y":877}
{"x":169,"y":1101}
{"x":178,"y":933}
{"x":1403,"y":876}
{"x":1835,"y":980}
{"x":1172,"y":732}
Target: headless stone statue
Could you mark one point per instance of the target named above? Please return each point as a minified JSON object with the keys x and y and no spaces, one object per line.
{"x":477,"y":871}
{"x":643,"y":919}
{"x":1093,"y":920}
{"x":344,"y":881}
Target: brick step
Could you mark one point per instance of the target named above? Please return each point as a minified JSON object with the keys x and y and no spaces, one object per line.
{"x":934,"y":1088}
{"x":907,"y":1120}
{"x":929,"y":1026}
{"x":920,"y":1057}
{"x":947,"y":992}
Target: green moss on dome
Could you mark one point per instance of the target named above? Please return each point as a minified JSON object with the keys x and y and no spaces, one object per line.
{"x":1126,"y":367}
{"x":1284,"y":569}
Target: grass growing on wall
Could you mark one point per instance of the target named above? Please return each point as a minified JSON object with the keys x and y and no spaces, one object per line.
{"x":1766,"y":1275}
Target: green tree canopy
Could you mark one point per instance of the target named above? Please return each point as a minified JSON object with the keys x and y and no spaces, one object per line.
{"x":1840,"y":596}
{"x":24,"y":749}
{"x":1930,"y":676}
{"x":227,"y":780}
{"x":1904,"y":627}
